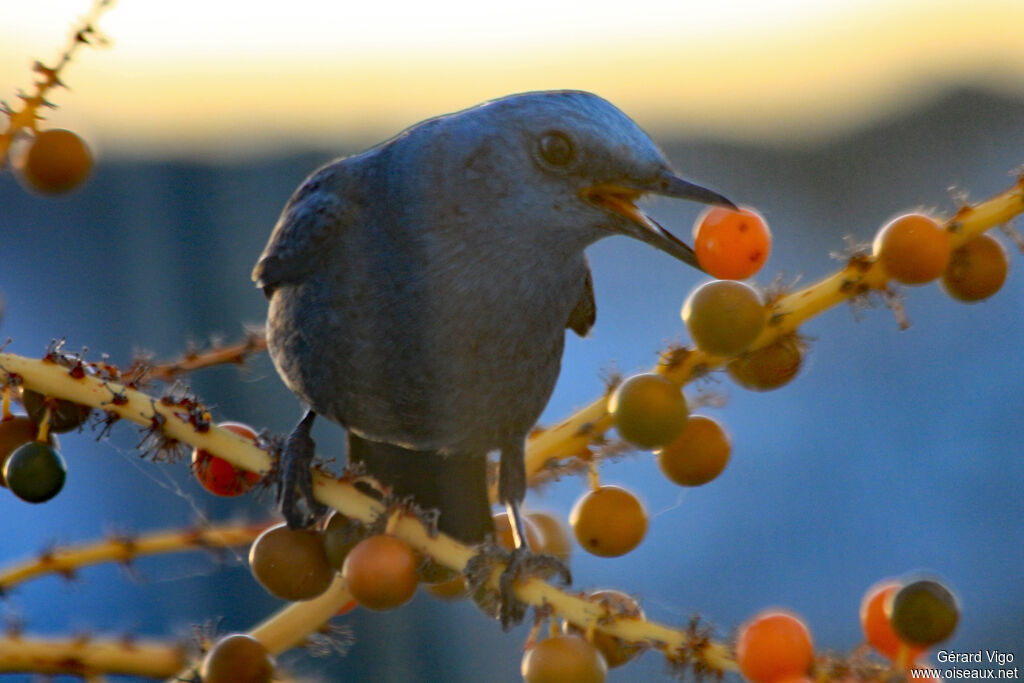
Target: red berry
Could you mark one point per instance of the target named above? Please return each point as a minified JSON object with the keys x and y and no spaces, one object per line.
{"x":217,"y":475}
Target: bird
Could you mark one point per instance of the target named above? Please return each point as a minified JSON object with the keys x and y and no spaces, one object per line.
{"x":420,"y":292}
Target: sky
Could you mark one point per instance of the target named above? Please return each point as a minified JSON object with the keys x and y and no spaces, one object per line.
{"x":195,"y":75}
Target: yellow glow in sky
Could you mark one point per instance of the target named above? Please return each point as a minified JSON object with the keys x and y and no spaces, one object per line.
{"x":194,"y":74}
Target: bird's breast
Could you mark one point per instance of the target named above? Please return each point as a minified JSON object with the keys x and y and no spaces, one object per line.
{"x":428,"y":351}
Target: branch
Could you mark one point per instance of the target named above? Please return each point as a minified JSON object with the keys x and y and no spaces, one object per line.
{"x":84,"y":656}
{"x":255,"y":341}
{"x":857,"y":278}
{"x":288,"y":628}
{"x":26,"y":118}
{"x":74,"y":384}
{"x":89,"y":656}
{"x":69,"y":559}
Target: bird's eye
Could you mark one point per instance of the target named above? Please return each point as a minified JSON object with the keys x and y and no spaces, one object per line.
{"x":556,"y":148}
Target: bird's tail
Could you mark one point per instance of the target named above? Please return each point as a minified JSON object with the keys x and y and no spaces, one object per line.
{"x":453,"y":484}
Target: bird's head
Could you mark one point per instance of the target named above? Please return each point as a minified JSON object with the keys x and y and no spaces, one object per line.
{"x":591,"y":163}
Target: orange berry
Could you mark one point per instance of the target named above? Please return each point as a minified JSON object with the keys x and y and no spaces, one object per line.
{"x":238,"y":658}
{"x":913,"y":249}
{"x":381,"y":572}
{"x":347,"y":607}
{"x":57,"y":162}
{"x":608,"y":521}
{"x":731,"y":245}
{"x":563,"y":659}
{"x":874,"y":620}
{"x":976,"y":270}
{"x":768,"y":367}
{"x":454,"y":588}
{"x":503,"y":532}
{"x":648,"y":410}
{"x":217,"y":475}
{"x":554,"y":534}
{"x":774,"y":645}
{"x":699,"y":453}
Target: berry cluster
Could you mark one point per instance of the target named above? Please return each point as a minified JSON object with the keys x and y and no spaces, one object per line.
{"x":915,"y":249}
{"x":32,"y":466}
{"x":903,"y":618}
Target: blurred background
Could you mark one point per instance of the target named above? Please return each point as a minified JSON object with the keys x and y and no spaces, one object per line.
{"x":891,"y":453}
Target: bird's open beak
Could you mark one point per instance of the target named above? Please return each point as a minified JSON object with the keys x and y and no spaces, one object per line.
{"x":620,"y":198}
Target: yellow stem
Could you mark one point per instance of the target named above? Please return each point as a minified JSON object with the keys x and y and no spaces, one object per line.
{"x":290,"y":626}
{"x":66,"y":560}
{"x":43,"y":435}
{"x":51,"y":379}
{"x":88,"y":656}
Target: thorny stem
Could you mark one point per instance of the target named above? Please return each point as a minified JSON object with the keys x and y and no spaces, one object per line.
{"x":288,"y":627}
{"x":52,"y":379}
{"x":67,"y":560}
{"x":861,"y":275}
{"x":28,"y":116}
{"x":255,"y":341}
{"x":283,"y":630}
{"x":88,"y":656}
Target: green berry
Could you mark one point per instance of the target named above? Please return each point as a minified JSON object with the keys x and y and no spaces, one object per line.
{"x":924,"y":612}
{"x":724,"y":317}
{"x":35,"y":472}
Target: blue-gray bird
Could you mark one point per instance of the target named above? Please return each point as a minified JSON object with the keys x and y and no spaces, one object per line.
{"x":420,"y":291}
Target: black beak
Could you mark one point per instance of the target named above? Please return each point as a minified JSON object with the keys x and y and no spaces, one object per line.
{"x":669,"y":185}
{"x":619,"y":198}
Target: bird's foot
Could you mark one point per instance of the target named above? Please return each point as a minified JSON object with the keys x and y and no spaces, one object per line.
{"x":520,"y":563}
{"x":295,"y":483}
{"x":523,"y":563}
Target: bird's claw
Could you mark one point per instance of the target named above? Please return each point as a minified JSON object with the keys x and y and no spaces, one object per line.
{"x":295,"y":485}
{"x":519,"y":564}
{"x":523,"y":563}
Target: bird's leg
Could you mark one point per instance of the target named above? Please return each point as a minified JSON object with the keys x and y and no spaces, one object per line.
{"x":295,"y":485}
{"x":511,"y":491}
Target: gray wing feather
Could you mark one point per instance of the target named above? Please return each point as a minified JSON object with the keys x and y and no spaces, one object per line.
{"x":297,"y":243}
{"x":585,"y":313}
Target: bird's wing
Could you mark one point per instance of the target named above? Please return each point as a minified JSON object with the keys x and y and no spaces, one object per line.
{"x":585,"y":312}
{"x":297,"y":243}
